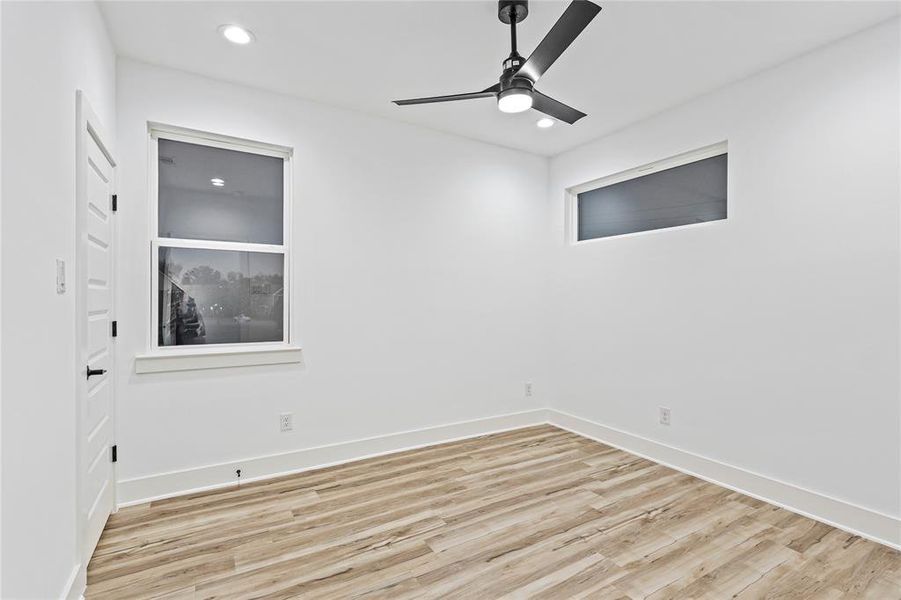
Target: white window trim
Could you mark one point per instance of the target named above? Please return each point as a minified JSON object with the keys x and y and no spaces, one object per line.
{"x":571,"y":194}
{"x":160,"y":359}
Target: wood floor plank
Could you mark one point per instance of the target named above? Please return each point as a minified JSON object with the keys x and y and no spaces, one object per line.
{"x":536,"y":512}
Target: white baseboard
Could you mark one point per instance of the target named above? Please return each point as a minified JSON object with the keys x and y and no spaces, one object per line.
{"x":76,"y":584}
{"x":187,"y":481}
{"x":858,"y":520}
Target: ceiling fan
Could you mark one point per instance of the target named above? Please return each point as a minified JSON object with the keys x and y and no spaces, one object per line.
{"x":515,"y":92}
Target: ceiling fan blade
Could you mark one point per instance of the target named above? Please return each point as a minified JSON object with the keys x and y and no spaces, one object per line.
{"x":575,"y":18}
{"x":555,"y":109}
{"x":486,"y":93}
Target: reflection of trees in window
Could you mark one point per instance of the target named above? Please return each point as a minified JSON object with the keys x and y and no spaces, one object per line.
{"x":202,"y":275}
{"x":259,"y":296}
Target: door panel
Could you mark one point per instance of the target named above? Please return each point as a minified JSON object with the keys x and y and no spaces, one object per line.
{"x":97,"y":485}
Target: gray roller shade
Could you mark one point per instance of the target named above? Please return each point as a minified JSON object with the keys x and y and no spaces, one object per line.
{"x":690,"y":193}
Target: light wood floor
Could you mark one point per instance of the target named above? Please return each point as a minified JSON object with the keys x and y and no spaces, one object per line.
{"x":532,"y":513}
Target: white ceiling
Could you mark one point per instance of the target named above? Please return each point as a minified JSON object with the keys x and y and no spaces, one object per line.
{"x":635,"y":59}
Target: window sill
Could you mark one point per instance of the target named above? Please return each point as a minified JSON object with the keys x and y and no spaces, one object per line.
{"x":216,"y":358}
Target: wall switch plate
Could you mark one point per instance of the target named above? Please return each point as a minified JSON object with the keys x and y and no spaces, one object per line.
{"x":528,"y":389}
{"x":60,"y":276}
{"x":286,"y":422}
{"x":664,"y":416}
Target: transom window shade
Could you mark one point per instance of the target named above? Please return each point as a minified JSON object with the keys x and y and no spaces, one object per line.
{"x":681,"y":195}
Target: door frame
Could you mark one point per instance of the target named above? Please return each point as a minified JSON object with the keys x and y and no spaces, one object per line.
{"x":88,"y":126}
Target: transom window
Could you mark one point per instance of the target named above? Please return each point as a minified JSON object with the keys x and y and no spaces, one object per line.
{"x":220,"y":247}
{"x":683,"y":190}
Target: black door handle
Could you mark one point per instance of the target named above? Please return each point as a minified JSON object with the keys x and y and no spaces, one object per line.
{"x":95,"y":371}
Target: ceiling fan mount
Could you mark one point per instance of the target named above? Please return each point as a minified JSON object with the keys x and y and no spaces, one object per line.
{"x":515,"y":90}
{"x":509,"y":11}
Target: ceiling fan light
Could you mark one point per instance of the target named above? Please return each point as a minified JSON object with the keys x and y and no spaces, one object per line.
{"x":514,"y":100}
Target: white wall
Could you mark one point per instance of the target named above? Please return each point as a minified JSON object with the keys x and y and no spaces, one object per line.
{"x":772,"y":336}
{"x":48,"y":51}
{"x":418,"y":277}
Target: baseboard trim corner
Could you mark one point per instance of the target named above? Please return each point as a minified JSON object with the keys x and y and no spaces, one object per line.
{"x":76,"y":584}
{"x":858,"y":520}
{"x":139,"y":490}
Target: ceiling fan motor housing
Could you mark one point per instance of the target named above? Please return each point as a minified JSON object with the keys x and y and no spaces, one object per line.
{"x":513,"y":62}
{"x":514,"y":85}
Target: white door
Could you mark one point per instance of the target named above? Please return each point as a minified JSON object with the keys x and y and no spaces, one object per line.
{"x":96,"y":171}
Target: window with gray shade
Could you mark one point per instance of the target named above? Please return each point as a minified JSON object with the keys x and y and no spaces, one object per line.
{"x":220,"y":248}
{"x":693,"y":192}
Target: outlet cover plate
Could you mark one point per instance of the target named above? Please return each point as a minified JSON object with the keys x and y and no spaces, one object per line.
{"x":665,"y":416}
{"x":286,"y":422}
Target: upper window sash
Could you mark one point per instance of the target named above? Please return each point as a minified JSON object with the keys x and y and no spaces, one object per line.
{"x":158,"y":130}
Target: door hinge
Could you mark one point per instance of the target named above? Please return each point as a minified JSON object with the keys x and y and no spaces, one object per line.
{"x":114,"y":452}
{"x":115,"y":328}
{"x":115,"y":202}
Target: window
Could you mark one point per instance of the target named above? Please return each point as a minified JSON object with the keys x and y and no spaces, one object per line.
{"x":220,"y":245}
{"x":683,"y":190}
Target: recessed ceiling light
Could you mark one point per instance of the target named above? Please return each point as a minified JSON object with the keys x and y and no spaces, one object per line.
{"x":217,"y":182}
{"x":236,"y":34}
{"x":545,"y":122}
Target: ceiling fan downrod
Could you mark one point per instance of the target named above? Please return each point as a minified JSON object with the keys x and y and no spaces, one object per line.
{"x":512,"y":12}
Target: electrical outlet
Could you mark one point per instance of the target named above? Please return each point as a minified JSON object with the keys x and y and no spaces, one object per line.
{"x":664,"y":416}
{"x":286,"y":422}
{"x":528,"y":389}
